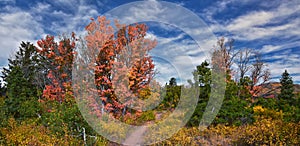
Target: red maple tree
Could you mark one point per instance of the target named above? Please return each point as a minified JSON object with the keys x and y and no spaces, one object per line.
{"x":123,"y":65}
{"x":57,"y":59}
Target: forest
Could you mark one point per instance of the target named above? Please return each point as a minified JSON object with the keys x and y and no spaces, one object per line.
{"x":44,"y":88}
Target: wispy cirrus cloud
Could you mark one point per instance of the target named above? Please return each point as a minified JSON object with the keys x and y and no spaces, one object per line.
{"x":7,"y":1}
{"x":179,"y":50}
{"x":280,"y":21}
{"x":176,"y":56}
{"x":270,"y":27}
{"x":268,"y":48}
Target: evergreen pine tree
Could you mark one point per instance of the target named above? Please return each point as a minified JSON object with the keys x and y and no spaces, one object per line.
{"x":20,"y":83}
{"x":287,"y":87}
{"x":173,"y":82}
{"x":172,"y":95}
{"x":2,"y":89}
{"x":203,"y":73}
{"x":202,"y":76}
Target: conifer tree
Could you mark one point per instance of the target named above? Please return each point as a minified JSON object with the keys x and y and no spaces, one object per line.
{"x":23,"y":65}
{"x":287,"y":87}
{"x":20,"y":83}
{"x":173,"y":82}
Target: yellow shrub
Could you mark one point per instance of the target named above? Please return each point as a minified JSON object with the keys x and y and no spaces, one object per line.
{"x":271,"y":132}
{"x":220,"y":135}
{"x":185,"y":136}
{"x":261,"y":112}
{"x":269,"y":129}
{"x":33,"y":134}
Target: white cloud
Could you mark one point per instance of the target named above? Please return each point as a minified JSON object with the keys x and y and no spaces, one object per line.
{"x":68,"y":5}
{"x":269,"y":48}
{"x":15,"y":27}
{"x":73,"y":21}
{"x":284,"y":60}
{"x":181,"y":53}
{"x":250,"y":20}
{"x":18,"y":25}
{"x":278,"y":69}
{"x":256,"y":24}
{"x":176,"y":56}
{"x":7,"y":1}
{"x":41,"y":7}
{"x":267,"y":23}
{"x":219,"y":7}
{"x":281,"y":57}
{"x":274,"y":30}
{"x":165,"y":13}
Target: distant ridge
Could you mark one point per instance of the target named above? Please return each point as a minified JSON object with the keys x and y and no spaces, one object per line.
{"x":273,"y":88}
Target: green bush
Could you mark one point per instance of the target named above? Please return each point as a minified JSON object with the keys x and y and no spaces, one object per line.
{"x":145,"y":117}
{"x":234,"y":112}
{"x":57,"y":114}
{"x":270,"y":103}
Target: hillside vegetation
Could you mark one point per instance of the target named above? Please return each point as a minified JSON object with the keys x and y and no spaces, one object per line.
{"x":38,"y":102}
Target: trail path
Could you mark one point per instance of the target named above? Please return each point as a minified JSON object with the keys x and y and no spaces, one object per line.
{"x":136,"y":137}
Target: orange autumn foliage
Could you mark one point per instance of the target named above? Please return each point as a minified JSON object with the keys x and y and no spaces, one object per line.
{"x":58,"y":58}
{"x":123,"y":66}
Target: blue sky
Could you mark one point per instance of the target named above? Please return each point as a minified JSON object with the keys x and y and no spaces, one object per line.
{"x":271,"y":27}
